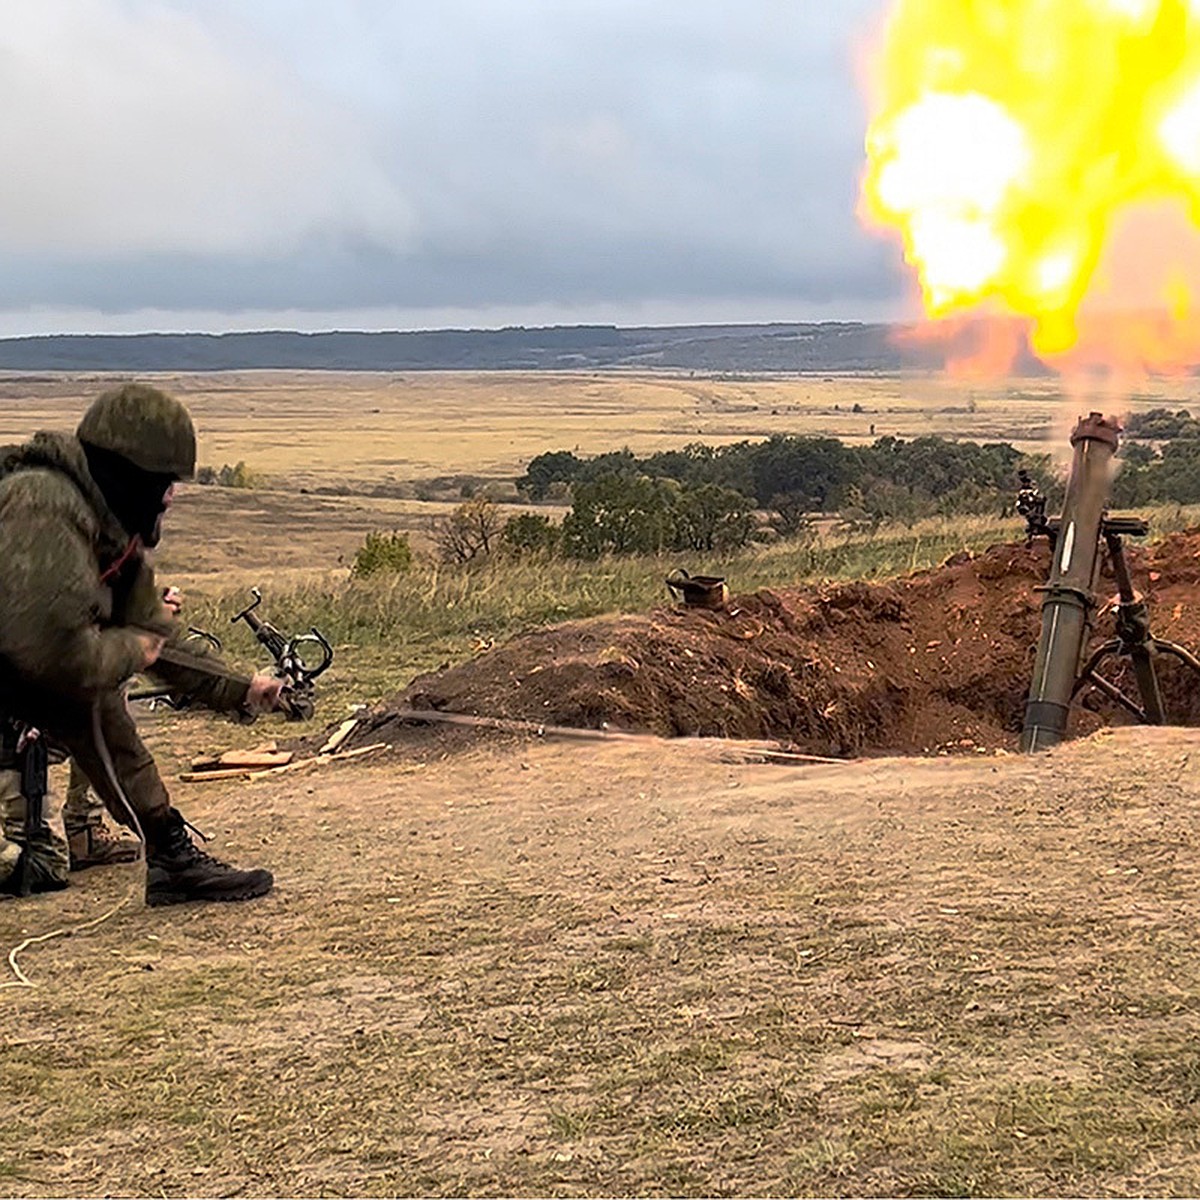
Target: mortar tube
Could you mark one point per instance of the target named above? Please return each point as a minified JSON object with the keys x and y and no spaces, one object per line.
{"x":1067,"y":608}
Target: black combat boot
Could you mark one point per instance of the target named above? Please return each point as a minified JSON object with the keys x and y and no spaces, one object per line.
{"x":179,"y":871}
{"x":30,"y":877}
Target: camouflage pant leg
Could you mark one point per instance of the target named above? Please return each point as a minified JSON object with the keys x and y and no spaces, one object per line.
{"x":132,"y":763}
{"x":49,"y":844}
{"x":83,"y":809}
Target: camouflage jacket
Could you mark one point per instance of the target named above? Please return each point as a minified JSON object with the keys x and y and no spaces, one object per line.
{"x":75,"y":591}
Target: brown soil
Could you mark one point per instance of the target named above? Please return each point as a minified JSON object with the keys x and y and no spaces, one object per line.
{"x":939,"y":661}
{"x":636,"y":969}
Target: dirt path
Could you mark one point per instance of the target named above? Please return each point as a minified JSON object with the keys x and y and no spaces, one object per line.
{"x":603,"y":969}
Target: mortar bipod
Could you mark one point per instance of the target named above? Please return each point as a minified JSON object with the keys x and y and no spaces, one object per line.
{"x":1134,"y":640}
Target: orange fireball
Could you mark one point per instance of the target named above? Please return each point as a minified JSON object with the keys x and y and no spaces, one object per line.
{"x":1014,"y":142}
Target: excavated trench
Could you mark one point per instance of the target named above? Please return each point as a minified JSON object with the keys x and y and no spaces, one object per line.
{"x":936,"y":662}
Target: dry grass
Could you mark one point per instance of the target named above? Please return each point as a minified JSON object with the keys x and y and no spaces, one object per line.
{"x":311,"y":428}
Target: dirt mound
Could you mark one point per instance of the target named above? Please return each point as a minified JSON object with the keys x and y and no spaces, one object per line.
{"x":937,"y":661}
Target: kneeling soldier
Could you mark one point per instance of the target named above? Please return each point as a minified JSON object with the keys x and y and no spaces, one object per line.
{"x":80,"y":613}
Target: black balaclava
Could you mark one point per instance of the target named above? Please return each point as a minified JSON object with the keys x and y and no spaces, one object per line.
{"x":136,"y":497}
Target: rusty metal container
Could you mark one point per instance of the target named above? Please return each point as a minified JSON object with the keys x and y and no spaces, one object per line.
{"x":698,"y":591}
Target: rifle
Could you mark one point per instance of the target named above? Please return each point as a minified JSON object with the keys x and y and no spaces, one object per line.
{"x":298,"y":697}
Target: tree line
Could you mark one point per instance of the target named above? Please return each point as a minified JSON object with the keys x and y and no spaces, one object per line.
{"x":1160,"y":460}
{"x":706,"y":498}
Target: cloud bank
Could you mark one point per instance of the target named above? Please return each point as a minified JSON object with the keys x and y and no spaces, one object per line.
{"x":370,"y":157}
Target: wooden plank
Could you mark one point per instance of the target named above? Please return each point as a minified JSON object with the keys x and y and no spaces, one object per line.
{"x":252,"y":759}
{"x":212,"y":776}
{"x":319,"y":761}
{"x":357,"y":752}
{"x":339,"y":736}
{"x":292,"y":766}
{"x":248,"y":759}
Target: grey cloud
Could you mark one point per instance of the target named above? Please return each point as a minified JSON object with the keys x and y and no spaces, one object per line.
{"x":519,"y":154}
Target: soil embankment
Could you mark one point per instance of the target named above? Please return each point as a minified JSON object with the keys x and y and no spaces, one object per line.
{"x":935,"y":662}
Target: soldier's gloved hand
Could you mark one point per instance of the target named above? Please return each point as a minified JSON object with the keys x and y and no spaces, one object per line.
{"x":152,"y":645}
{"x":263,"y":695}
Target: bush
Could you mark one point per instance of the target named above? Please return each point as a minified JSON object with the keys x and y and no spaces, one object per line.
{"x":470,"y":532}
{"x":382,"y":554}
{"x":237,"y":476}
{"x":529,"y":533}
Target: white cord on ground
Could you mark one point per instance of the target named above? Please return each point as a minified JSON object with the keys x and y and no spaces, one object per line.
{"x":21,"y":980}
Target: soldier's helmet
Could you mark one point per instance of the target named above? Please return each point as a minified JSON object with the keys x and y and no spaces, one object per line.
{"x":145,"y":427}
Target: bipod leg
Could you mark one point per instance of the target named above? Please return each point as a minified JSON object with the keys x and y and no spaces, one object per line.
{"x":1147,"y":678}
{"x":1133,"y":633}
{"x":1090,"y":675}
{"x":1113,"y":692}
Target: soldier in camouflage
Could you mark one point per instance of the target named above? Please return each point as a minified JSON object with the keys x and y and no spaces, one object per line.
{"x":80,"y":613}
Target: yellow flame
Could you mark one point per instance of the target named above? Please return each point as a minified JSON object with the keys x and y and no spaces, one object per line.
{"x":1010,"y":139}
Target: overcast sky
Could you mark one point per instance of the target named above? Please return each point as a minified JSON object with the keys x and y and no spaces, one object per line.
{"x":234,"y":164}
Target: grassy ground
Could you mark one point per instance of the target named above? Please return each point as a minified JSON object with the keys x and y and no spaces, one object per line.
{"x":615,"y":970}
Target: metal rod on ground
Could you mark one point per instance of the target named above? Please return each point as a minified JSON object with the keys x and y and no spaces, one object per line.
{"x":508,"y":725}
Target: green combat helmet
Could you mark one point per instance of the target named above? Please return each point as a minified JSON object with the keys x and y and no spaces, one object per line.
{"x":145,"y":427}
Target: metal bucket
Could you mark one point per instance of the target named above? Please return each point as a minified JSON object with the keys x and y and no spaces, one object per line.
{"x":698,"y":591}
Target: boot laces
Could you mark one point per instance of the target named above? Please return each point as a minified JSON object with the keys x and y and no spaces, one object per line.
{"x":184,"y":847}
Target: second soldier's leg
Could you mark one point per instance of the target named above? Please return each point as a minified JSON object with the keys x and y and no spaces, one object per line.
{"x":91,"y":841}
{"x":10,"y":850}
{"x":44,"y":848}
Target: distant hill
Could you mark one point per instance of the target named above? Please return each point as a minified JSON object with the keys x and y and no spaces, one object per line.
{"x":828,"y":346}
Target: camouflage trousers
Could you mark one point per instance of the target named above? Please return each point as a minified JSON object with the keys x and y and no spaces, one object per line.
{"x":49,"y":845}
{"x":83,"y":809}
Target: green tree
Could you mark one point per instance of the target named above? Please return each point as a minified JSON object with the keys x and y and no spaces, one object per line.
{"x":531,"y":533}
{"x":556,"y":466}
{"x":620,"y":514}
{"x":711,"y":517}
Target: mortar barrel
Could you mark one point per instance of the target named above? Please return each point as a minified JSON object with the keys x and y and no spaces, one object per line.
{"x":1069,"y":592}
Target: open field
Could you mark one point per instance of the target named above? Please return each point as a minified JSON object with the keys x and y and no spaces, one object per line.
{"x":319,"y":428}
{"x":608,"y":970}
{"x":499,"y":966}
